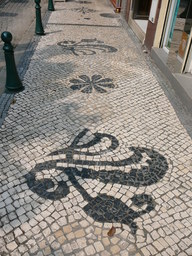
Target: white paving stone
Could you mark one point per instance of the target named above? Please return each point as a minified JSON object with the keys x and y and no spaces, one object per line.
{"x":60,"y":211}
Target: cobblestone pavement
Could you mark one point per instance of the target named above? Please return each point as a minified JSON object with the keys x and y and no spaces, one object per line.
{"x":94,"y":158}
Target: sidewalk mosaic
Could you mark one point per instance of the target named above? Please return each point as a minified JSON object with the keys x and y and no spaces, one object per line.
{"x":102,"y":208}
{"x":93,"y":147}
{"x":83,"y":10}
{"x":86,"y":47}
{"x":86,"y":85}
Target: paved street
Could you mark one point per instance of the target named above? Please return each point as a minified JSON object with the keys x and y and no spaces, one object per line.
{"x":17,"y":17}
{"x":94,"y":159}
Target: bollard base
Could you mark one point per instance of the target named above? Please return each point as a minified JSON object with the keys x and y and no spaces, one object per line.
{"x":11,"y":90}
{"x":51,"y":6}
{"x":40,"y":33}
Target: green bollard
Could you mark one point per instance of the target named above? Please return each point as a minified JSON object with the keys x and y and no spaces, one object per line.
{"x":39,"y":27}
{"x":51,"y":6}
{"x":13,"y":82}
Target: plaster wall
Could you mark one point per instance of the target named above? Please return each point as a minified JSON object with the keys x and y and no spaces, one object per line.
{"x":160,"y":23}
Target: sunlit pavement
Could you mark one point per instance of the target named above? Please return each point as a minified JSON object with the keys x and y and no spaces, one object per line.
{"x":94,"y":160}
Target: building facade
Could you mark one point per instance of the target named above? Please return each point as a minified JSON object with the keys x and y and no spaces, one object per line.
{"x":163,"y":24}
{"x":165,"y":28}
{"x":174,"y":36}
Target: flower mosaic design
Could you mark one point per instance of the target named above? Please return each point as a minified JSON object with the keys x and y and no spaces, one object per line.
{"x":86,"y":47}
{"x":87,"y":85}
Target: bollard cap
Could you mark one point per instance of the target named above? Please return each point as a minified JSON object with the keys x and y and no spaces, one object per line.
{"x":6,"y":37}
{"x":37,"y":1}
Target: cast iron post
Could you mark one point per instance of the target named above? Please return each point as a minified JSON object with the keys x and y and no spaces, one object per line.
{"x":39,"y":27}
{"x":13,"y":82}
{"x":51,"y":5}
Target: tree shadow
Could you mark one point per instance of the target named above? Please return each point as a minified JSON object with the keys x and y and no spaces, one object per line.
{"x":19,"y":1}
{"x":8,"y":14}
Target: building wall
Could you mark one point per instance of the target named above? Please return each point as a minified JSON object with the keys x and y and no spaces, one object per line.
{"x":133,"y":25}
{"x":151,"y":28}
{"x":160,"y":23}
{"x":128,"y":10}
{"x":155,"y":28}
{"x":125,"y":9}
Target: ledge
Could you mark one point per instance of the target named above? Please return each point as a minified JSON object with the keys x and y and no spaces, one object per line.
{"x":181,"y":83}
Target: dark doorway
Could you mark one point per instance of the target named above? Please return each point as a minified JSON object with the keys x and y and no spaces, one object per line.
{"x":141,"y":9}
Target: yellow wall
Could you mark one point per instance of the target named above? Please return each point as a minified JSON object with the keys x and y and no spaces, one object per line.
{"x":160,"y":23}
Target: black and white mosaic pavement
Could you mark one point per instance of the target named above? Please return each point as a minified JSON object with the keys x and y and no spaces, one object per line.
{"x":87,"y":85}
{"x":102,"y":208}
{"x":93,"y":142}
{"x":86,"y":47}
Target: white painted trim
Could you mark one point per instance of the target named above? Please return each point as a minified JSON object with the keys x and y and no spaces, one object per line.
{"x":166,"y":49}
{"x":171,"y":14}
{"x":153,"y":10}
{"x":188,"y":62}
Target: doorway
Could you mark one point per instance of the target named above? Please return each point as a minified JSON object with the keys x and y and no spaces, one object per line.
{"x":141,"y":9}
